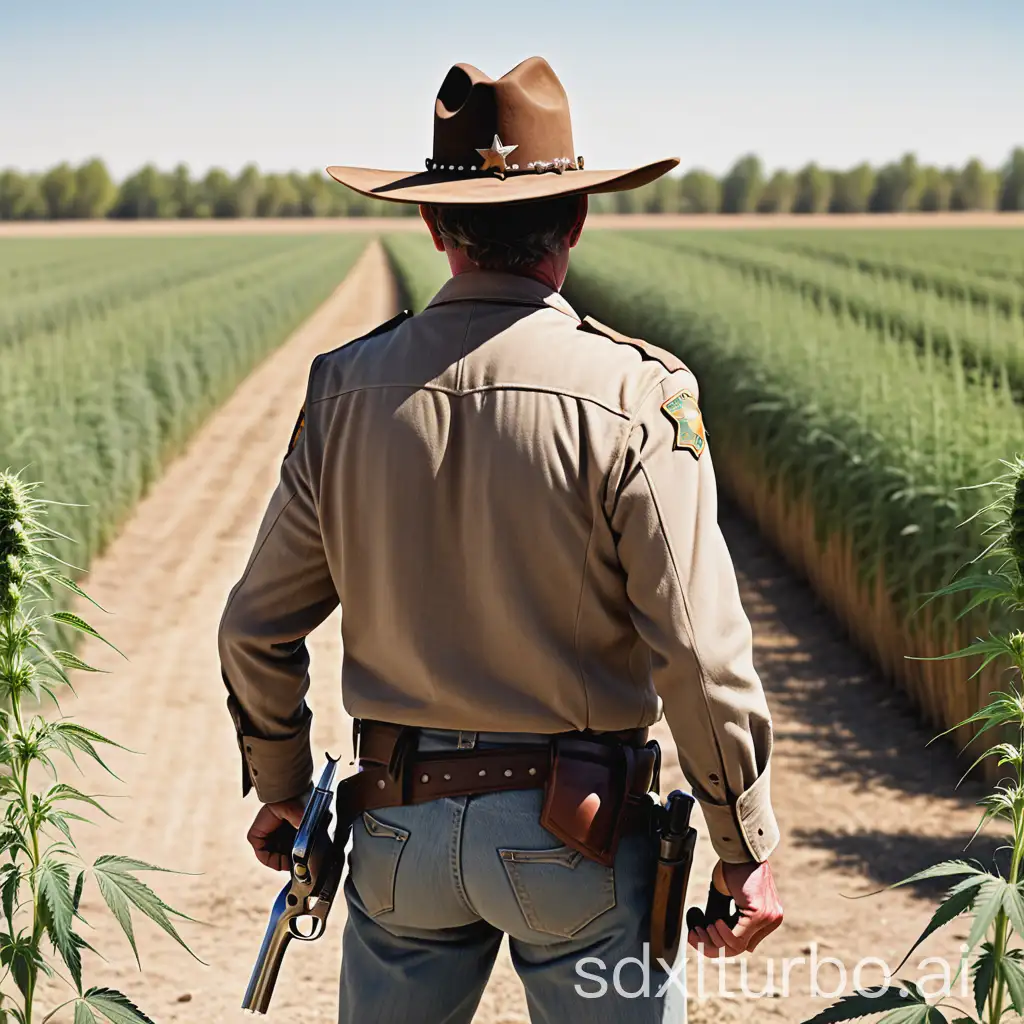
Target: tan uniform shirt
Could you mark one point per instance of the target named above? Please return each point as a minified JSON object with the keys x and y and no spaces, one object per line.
{"x":494,"y":493}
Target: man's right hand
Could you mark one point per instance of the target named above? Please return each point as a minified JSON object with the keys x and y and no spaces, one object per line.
{"x":752,"y":887}
{"x":265,"y":838}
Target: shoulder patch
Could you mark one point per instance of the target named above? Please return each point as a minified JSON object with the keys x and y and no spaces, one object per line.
{"x":683,"y":411}
{"x":671,"y":362}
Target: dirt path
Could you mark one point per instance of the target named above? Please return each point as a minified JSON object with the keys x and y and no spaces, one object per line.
{"x":855,"y":791}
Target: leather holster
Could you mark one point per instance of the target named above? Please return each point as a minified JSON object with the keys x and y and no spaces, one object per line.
{"x":588,"y":791}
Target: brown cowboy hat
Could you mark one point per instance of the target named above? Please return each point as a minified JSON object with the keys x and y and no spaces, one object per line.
{"x":501,"y":141}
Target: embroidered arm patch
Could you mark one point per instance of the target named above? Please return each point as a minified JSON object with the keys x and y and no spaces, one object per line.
{"x":683,"y":411}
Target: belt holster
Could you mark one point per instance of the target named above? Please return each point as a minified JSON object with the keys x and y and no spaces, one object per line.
{"x":586,"y":795}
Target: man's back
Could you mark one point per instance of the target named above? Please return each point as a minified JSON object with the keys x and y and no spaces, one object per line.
{"x":517,"y":512}
{"x":465,"y":464}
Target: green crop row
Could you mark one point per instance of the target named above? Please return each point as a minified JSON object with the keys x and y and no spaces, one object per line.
{"x":419,"y":268}
{"x":920,"y":272}
{"x":984,"y":341}
{"x":994,"y":253}
{"x":38,"y":298}
{"x":114,"y":351}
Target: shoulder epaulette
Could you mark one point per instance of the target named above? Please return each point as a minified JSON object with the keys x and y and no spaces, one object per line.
{"x":671,"y":362}
{"x":383,"y":328}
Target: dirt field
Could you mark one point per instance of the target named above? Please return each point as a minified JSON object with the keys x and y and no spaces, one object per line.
{"x":313,"y":225}
{"x":860,"y":800}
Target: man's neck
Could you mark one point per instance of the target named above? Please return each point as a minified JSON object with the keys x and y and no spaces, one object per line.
{"x":547,"y":271}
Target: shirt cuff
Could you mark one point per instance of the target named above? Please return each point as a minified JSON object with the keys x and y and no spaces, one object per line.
{"x":277,"y":769}
{"x":746,"y":829}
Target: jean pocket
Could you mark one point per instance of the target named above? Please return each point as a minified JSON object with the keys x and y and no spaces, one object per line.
{"x":559,"y":891}
{"x":376,"y":850}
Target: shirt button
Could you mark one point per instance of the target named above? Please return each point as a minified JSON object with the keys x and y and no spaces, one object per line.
{"x":714,"y":778}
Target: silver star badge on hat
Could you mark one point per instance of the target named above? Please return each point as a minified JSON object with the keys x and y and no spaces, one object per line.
{"x":494,"y":157}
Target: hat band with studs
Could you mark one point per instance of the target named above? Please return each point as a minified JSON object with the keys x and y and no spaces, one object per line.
{"x":495,"y":158}
{"x":558,"y":164}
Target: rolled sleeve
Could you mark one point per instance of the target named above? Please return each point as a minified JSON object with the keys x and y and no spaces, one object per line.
{"x":745,"y":829}
{"x":686,"y":606}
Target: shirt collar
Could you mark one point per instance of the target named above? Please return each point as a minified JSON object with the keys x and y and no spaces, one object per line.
{"x":502,"y":288}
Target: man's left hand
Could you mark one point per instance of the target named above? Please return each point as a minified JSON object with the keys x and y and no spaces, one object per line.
{"x":752,"y":887}
{"x":265,"y":838}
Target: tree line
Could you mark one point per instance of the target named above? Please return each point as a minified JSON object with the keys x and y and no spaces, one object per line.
{"x":904,"y":185}
{"x":89,"y":191}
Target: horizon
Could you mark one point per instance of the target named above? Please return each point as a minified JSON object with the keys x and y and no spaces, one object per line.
{"x":225,"y":84}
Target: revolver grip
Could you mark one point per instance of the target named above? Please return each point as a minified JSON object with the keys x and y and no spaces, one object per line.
{"x":275,"y":941}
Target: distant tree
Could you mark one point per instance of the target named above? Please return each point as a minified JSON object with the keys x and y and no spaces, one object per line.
{"x":976,"y":188}
{"x":247,"y":189}
{"x":897,"y":187}
{"x":777,"y":195}
{"x":181,"y":192}
{"x":21,"y":197}
{"x":279,"y":197}
{"x":95,"y":192}
{"x":144,"y":195}
{"x":660,"y":196}
{"x":217,"y":194}
{"x":58,"y":188}
{"x":813,"y":190}
{"x":741,"y":187}
{"x":852,"y":189}
{"x":936,"y":190}
{"x":314,"y":194}
{"x":699,"y":192}
{"x":1011,"y":192}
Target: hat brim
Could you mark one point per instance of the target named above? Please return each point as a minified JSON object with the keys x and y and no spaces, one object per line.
{"x":455,"y":188}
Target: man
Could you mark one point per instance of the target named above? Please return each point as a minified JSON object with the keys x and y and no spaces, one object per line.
{"x":517,"y":512}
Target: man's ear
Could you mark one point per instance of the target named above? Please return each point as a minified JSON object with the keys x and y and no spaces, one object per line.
{"x":577,"y":228}
{"x":427,"y":213}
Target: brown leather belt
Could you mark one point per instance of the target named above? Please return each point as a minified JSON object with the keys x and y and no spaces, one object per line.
{"x":393,"y":773}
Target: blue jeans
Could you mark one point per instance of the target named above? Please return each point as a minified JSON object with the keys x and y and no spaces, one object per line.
{"x":432,"y":887}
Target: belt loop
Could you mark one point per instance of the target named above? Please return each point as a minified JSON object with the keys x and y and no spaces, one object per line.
{"x":467,"y":740}
{"x":406,"y":740}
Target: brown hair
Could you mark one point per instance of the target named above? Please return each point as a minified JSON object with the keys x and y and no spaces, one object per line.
{"x":508,"y":236}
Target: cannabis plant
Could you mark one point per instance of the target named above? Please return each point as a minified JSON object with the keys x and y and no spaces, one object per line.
{"x":42,"y":875}
{"x":992,"y":897}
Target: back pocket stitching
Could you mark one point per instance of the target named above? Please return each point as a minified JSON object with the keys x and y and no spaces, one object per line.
{"x":378,"y":830}
{"x":563,"y":856}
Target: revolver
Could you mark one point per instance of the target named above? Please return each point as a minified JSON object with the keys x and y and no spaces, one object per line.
{"x":315,"y":875}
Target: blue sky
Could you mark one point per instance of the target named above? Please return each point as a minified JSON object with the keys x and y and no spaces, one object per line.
{"x":305,"y":83}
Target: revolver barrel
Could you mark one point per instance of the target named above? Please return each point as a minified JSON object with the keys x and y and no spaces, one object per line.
{"x":268,"y":963}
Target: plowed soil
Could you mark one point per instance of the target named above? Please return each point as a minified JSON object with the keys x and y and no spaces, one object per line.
{"x":860,"y":799}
